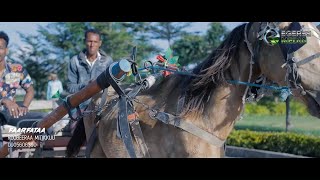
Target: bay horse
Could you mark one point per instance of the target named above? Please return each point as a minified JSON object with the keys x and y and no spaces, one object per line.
{"x":208,"y":100}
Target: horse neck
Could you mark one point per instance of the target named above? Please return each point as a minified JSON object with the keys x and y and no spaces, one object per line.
{"x":225,"y":105}
{"x":222,"y":108}
{"x":167,"y":93}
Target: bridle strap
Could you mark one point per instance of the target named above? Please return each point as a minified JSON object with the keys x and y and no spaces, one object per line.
{"x":308,"y":59}
{"x":176,"y":121}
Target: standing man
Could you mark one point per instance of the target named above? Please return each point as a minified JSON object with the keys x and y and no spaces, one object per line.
{"x":84,"y":68}
{"x":12,"y":77}
{"x":88,"y":64}
{"x":54,"y":87}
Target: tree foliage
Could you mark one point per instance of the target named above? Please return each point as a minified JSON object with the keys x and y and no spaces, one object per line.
{"x":215,"y":34}
{"x":168,"y":30}
{"x":195,"y":48}
{"x":190,"y":48}
{"x":55,"y":44}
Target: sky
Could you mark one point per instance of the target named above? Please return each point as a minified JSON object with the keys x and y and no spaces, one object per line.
{"x":30,"y":28}
{"x":11,"y":28}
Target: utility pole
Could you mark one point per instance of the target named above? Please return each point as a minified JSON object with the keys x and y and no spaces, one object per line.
{"x":288,"y":123}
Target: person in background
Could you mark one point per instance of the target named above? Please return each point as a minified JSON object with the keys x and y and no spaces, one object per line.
{"x":54,"y":86}
{"x":54,"y":89}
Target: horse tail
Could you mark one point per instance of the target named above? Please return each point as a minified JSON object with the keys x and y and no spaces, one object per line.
{"x":77,"y":140}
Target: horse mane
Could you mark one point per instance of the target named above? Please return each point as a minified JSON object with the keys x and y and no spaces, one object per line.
{"x":211,"y":71}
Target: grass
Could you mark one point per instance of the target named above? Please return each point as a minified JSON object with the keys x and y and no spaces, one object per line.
{"x":307,"y":125}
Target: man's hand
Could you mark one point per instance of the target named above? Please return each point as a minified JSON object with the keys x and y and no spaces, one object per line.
{"x":23,"y":110}
{"x":12,"y":107}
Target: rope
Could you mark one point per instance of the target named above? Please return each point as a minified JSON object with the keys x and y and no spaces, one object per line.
{"x":167,"y":69}
{"x":278,"y":88}
{"x":251,"y":62}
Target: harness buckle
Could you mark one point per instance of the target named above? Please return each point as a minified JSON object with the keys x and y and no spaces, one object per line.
{"x":161,"y":116}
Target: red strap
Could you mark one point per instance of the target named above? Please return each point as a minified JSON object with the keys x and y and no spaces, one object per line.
{"x":133,"y":116}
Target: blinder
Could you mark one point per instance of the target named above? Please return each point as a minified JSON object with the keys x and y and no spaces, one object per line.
{"x":268,"y":33}
{"x":291,"y":48}
{"x":271,"y":30}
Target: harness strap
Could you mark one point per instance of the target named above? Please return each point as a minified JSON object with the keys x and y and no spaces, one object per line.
{"x":189,"y":127}
{"x":133,"y":93}
{"x":124,"y":129}
{"x":251,"y":62}
{"x":137,"y":133}
{"x":94,"y":135}
{"x":91,"y":142}
{"x":102,"y":102}
{"x":113,"y":83}
{"x":308,"y":59}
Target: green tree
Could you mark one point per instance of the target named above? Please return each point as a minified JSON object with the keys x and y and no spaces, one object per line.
{"x":190,"y":49}
{"x":168,"y":30}
{"x":139,"y":30}
{"x":51,"y":50}
{"x":120,"y":38}
{"x":195,"y":48}
{"x":215,"y":34}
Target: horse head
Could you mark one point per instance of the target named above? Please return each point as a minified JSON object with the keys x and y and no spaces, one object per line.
{"x":288,"y":53}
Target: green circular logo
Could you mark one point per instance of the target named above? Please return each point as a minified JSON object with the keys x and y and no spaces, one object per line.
{"x":273,"y":40}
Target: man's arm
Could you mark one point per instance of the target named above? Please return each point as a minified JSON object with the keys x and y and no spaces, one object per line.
{"x":29,"y":96}
{"x":16,"y":110}
{"x":73,"y":85}
{"x":27,"y":101}
{"x":26,"y":84}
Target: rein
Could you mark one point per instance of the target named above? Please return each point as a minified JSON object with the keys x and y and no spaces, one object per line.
{"x":284,"y":90}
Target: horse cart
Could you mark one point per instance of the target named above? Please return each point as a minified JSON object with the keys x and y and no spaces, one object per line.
{"x":61,"y":131}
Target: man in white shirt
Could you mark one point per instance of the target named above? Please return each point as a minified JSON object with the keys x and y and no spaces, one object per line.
{"x":54,"y":85}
